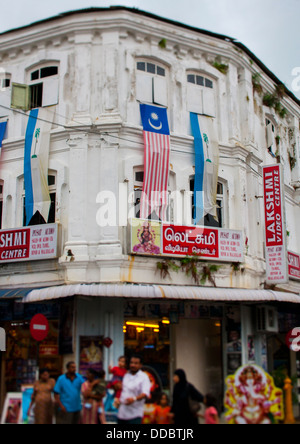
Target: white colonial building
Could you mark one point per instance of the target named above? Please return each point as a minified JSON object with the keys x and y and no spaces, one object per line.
{"x":92,"y":69}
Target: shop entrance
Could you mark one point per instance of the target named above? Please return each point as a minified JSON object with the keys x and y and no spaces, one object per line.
{"x":174,"y":335}
{"x":151,"y":340}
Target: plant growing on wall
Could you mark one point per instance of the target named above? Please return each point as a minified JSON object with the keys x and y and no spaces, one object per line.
{"x":163,"y":43}
{"x":256,"y":78}
{"x":191,"y":266}
{"x":273,"y":100}
{"x":222,"y":67}
{"x":292,"y":161}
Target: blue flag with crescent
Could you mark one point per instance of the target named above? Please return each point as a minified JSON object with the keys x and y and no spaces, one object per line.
{"x":155,"y":119}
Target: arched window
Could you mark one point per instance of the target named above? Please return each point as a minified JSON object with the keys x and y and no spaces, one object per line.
{"x":138,"y":189}
{"x":41,"y":89}
{"x":209,"y":221}
{"x":52,"y":211}
{"x":151,"y":83}
{"x":201,"y":94}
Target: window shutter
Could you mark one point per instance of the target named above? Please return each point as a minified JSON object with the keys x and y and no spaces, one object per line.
{"x":5,"y":101}
{"x":144,"y":88}
{"x":160,"y":91}
{"x":209,"y":102}
{"x":20,"y":96}
{"x":50,"y":92}
{"x":194,"y":99}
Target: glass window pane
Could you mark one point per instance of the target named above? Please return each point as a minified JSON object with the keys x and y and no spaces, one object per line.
{"x":49,"y":71}
{"x":141,"y":66}
{"x":139,"y":177}
{"x":151,"y":68}
{"x":191,"y":78}
{"x":220,"y":189}
{"x":200,"y":80}
{"x":161,"y":71}
{"x":35,"y":75}
{"x":209,"y":83}
{"x":51,"y":181}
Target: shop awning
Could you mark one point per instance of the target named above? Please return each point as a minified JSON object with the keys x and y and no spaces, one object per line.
{"x":14,"y":293}
{"x":209,"y":294}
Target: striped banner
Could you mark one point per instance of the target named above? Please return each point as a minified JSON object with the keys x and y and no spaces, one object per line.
{"x":156,"y":162}
{"x":36,"y":160}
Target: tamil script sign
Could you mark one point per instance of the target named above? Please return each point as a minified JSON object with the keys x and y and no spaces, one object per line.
{"x":163,"y":239}
{"x":275,"y":228}
{"x":29,"y":243}
{"x":294,"y":265}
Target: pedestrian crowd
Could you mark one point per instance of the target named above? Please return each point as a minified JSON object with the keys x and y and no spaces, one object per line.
{"x":79,"y":400}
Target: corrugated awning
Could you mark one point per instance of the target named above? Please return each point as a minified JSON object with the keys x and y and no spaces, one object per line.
{"x":161,"y":292}
{"x":14,"y":293}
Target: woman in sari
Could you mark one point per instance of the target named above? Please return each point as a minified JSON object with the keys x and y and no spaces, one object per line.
{"x":92,"y":392}
{"x":42,"y":399}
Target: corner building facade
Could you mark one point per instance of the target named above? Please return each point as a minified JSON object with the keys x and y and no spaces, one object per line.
{"x":91,"y":70}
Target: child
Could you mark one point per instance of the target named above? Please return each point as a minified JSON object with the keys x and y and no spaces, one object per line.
{"x":162,"y":413}
{"x":211,"y":412}
{"x":118,"y":375}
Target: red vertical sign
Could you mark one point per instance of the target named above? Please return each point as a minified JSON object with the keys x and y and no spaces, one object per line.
{"x":275,"y":230}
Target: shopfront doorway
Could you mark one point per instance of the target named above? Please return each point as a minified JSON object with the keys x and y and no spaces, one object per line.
{"x":178,"y":335}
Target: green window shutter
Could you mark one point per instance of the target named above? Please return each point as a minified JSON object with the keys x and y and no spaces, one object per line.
{"x":20,"y":96}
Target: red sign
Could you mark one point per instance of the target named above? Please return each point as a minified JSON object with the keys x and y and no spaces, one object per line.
{"x":293,"y":340}
{"x":275,"y":230}
{"x":107,"y":342}
{"x":189,"y":241}
{"x":39,"y":327}
{"x":294,"y":265}
{"x":14,"y":244}
{"x":29,"y":244}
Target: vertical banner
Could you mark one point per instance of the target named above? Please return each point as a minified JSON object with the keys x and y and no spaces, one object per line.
{"x":206,"y":167}
{"x":36,"y":157}
{"x":156,"y":161}
{"x":275,"y":227}
{"x":3,"y":126}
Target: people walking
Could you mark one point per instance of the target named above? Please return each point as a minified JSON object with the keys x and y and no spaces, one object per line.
{"x":67,"y":396}
{"x":184,"y":396}
{"x":42,"y":399}
{"x":135,"y":390}
{"x":93,"y":394}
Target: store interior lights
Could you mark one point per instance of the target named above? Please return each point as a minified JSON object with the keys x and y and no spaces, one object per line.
{"x":142,"y":325}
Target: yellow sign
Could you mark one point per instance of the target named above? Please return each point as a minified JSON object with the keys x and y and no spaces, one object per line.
{"x":146,"y":237}
{"x":252,"y":398}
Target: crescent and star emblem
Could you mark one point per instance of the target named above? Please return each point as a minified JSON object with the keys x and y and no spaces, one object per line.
{"x":155,"y":117}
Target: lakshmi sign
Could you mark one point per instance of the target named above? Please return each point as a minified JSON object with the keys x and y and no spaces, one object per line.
{"x":29,"y":243}
{"x":275,"y":229}
{"x":162,"y":239}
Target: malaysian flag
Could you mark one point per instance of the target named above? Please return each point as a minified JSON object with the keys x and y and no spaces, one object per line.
{"x":157,"y":159}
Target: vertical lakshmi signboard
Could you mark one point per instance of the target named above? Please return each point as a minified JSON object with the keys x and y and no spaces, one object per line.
{"x":275,"y":228}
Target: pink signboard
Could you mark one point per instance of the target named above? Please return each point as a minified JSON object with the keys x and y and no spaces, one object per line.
{"x":275,"y":229}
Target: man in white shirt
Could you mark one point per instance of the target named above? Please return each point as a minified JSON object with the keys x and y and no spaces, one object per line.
{"x":135,"y":391}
